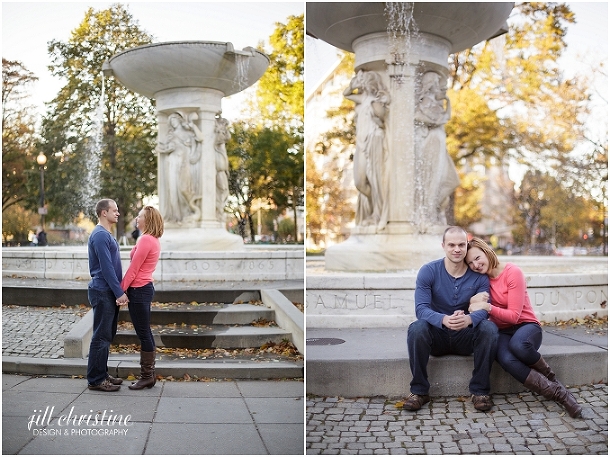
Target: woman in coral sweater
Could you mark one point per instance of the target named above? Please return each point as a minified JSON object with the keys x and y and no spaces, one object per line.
{"x":520,"y":334}
{"x":138,"y":285}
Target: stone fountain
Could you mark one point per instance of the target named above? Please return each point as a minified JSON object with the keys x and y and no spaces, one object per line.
{"x":402,"y":171}
{"x":188,"y":80}
{"x":401,"y":167}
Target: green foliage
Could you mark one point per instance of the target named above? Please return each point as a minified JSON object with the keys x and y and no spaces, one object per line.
{"x":263,"y":165}
{"x":18,"y":138}
{"x":128,"y":163}
{"x":16,"y":224}
{"x":280,"y":91}
{"x":266,"y":152}
{"x":286,"y":229}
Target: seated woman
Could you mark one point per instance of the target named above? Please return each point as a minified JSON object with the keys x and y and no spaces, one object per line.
{"x":520,"y":334}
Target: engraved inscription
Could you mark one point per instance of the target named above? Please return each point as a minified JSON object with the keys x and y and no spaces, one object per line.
{"x":570,"y":296}
{"x":359,"y":301}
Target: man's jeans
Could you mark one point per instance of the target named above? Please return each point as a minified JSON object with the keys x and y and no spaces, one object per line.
{"x":140,"y":299}
{"x":105,"y":317}
{"x":424,"y":340}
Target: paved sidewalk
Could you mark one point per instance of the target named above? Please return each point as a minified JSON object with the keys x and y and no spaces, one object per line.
{"x":518,"y":424}
{"x":209,"y":418}
{"x":35,"y":331}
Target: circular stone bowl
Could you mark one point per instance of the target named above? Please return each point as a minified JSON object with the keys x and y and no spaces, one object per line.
{"x":179,"y":64}
{"x":462,"y":24}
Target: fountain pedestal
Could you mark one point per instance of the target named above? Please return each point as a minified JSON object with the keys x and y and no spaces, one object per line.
{"x":402,"y":170}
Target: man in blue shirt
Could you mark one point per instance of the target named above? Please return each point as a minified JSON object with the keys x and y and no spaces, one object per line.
{"x":105,"y":295}
{"x":442,"y":295}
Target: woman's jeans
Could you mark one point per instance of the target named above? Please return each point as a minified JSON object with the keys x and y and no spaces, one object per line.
{"x":105,"y":318}
{"x":424,"y":340}
{"x":140,"y":299}
{"x":518,"y":349}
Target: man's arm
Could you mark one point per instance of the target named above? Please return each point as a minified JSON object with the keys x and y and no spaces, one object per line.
{"x":423,"y":298}
{"x":102,"y":249}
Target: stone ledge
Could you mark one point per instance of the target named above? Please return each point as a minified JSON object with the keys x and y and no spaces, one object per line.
{"x":78,"y":339}
{"x":123,"y":366}
{"x":375,"y":362}
{"x":287,"y":316}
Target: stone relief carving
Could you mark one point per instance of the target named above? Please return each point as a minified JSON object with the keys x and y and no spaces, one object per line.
{"x":181,"y":168}
{"x":222,"y":135}
{"x":438,"y":176}
{"x":367,"y":90}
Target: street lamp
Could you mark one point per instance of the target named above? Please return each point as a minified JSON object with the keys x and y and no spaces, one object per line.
{"x":41,"y":160}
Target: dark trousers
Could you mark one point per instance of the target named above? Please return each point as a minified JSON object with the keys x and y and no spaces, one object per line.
{"x":518,"y":349}
{"x":105,"y":318}
{"x":424,"y":340}
{"x":140,"y":299}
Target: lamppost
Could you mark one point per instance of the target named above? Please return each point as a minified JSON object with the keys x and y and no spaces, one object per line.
{"x":41,"y":160}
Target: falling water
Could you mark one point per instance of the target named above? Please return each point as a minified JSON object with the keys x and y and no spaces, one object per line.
{"x":92,"y":185}
{"x":402,"y":33}
{"x":242,"y":63}
{"x":401,"y":27}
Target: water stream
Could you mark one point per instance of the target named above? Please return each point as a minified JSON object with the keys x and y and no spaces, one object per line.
{"x":242,"y":62}
{"x":92,"y":185}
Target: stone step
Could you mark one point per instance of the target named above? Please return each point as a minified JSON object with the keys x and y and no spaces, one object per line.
{"x":367,"y":362}
{"x":124,"y":365}
{"x":216,"y":336}
{"x":205,"y":314}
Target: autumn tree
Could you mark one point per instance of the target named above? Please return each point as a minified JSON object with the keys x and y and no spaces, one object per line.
{"x":125,"y":121}
{"x":510,"y":103}
{"x":541,"y":213}
{"x":18,"y":138}
{"x":266,"y":154}
{"x":509,"y":96}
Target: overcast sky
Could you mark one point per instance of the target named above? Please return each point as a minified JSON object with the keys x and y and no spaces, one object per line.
{"x":27,"y":27}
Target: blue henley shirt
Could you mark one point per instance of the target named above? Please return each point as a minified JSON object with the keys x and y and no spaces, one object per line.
{"x":438,"y":294}
{"x":105,"y":261}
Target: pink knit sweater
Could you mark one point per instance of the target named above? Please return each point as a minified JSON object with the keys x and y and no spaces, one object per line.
{"x":144,"y":257}
{"x":510,"y":301}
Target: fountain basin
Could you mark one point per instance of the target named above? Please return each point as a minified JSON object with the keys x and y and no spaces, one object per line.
{"x":73,"y":264}
{"x":153,"y":68}
{"x":462,"y":24}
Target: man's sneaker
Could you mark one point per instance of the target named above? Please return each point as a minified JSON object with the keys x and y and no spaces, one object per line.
{"x":105,"y":386}
{"x":482,"y":402}
{"x":415,"y":402}
{"x":113,"y":380}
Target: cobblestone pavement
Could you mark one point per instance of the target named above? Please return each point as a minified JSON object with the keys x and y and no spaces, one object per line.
{"x":518,"y":424}
{"x":29,"y":331}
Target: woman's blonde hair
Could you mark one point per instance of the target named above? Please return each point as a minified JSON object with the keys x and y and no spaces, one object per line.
{"x":487,"y":250}
{"x":153,"y":222}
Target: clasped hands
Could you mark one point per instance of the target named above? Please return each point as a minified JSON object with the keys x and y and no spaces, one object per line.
{"x":122,"y":300}
{"x":457,"y":321}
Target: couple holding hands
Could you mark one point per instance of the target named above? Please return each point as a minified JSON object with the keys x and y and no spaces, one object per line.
{"x":108,"y":290}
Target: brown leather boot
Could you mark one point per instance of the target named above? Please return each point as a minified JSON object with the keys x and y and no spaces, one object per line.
{"x":147,"y":371}
{"x":550,"y":390}
{"x":542,"y":367}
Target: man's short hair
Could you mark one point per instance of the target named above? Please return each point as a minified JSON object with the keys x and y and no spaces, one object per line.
{"x":103,"y":205}
{"x":454,"y":228}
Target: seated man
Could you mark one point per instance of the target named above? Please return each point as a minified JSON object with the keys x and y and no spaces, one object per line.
{"x":442,"y":296}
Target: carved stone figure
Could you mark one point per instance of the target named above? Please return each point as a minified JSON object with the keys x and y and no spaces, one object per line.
{"x":181,"y":151}
{"x":366,"y":89}
{"x":222,"y":135}
{"x":438,"y":176}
